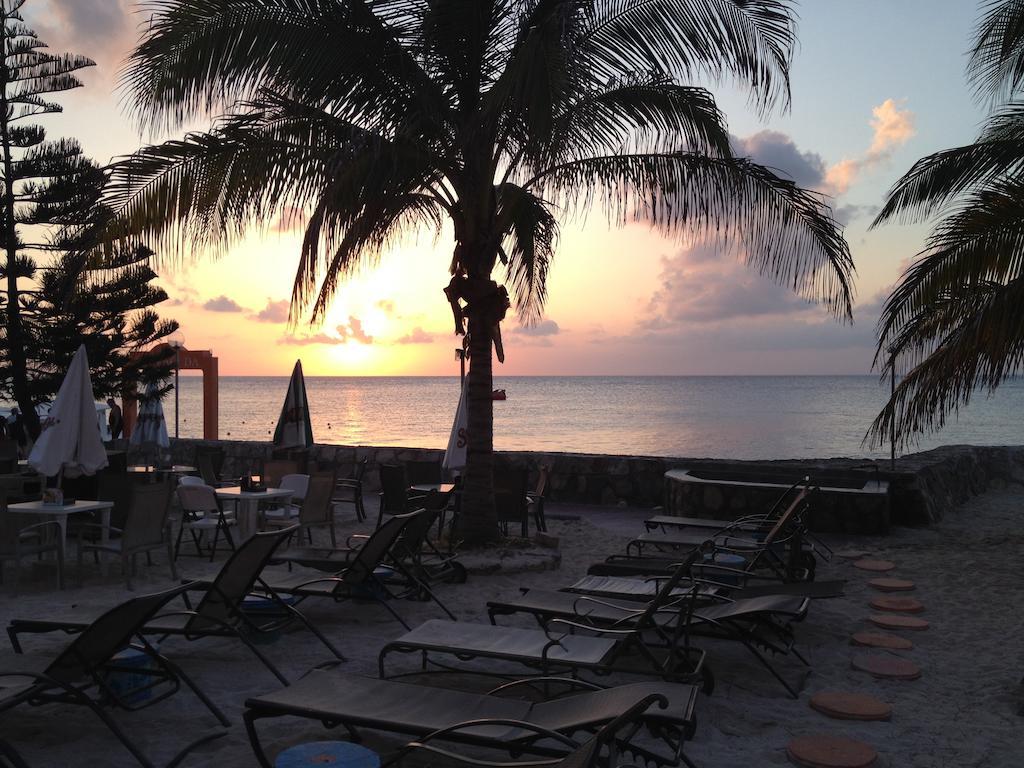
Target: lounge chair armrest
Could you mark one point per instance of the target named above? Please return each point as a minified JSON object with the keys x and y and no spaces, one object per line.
{"x":597,"y":601}
{"x":569,"y":682}
{"x":454,"y":759}
{"x":355,"y":537}
{"x":590,"y":628}
{"x":540,"y":730}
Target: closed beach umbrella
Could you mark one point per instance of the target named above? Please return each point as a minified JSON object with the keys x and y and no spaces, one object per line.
{"x":455,"y":455}
{"x":70,"y":440}
{"x":150,"y":427}
{"x":293,"y":427}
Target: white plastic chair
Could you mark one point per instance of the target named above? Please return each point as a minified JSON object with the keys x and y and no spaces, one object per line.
{"x":299,"y":486}
{"x":200,"y":511}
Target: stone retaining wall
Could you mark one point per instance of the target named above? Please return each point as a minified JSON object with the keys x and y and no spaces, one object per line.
{"x":923,"y":488}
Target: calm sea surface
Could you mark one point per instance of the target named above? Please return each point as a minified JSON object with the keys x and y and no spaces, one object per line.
{"x":740,"y":417}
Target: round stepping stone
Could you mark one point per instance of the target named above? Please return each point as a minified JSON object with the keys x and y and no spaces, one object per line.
{"x":890,"y":667}
{"x":852,"y":554}
{"x":898,"y":604}
{"x":881,"y":640}
{"x":850,"y":706}
{"x":886,"y":584}
{"x":898,"y":622}
{"x":880,"y":566}
{"x":831,"y":752}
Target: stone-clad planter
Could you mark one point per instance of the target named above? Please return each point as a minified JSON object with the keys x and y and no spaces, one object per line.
{"x":923,"y":488}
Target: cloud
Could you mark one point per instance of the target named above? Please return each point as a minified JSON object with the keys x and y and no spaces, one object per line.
{"x":223,"y":304}
{"x":543,"y":328}
{"x":778,"y":151}
{"x":846,"y":213}
{"x":87,"y":22}
{"x":354,"y":330}
{"x":386,"y":305}
{"x":416,"y":336}
{"x":274,"y":312}
{"x":701,"y":285}
{"x":892,"y":126}
{"x":317,"y":338}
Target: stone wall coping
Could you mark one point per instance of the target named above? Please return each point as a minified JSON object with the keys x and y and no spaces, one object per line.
{"x":880,"y":487}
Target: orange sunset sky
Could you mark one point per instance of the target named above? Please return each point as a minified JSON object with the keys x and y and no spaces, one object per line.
{"x":876,"y":85}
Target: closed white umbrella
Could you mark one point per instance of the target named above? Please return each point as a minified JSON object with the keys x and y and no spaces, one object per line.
{"x":293,"y":427}
{"x":455,"y":455}
{"x":70,"y":441}
{"x":150,"y":426}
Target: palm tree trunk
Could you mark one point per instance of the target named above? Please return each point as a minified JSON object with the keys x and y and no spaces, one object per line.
{"x":477,"y":520}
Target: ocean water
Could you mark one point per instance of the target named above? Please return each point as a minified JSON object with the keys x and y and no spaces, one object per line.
{"x":738,"y":417}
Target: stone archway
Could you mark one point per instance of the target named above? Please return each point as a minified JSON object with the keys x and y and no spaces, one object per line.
{"x":188,"y":360}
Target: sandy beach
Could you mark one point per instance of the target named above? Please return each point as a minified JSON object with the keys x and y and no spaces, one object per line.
{"x":963,"y":711}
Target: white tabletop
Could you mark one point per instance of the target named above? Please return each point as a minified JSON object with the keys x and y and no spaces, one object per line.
{"x":81,"y":505}
{"x":236,"y":492}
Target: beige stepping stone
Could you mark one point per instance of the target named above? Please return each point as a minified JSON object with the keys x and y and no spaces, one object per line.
{"x":852,"y":554}
{"x":890,"y":667}
{"x":895,"y":621}
{"x":881,"y":640}
{"x":850,"y":706}
{"x":880,"y":566}
{"x":822,"y":751}
{"x":897,"y":604}
{"x":886,"y":584}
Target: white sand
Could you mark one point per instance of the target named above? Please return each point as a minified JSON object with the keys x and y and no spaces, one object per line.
{"x":962,"y":712}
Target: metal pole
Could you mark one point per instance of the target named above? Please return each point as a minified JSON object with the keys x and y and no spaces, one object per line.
{"x":892,"y":420}
{"x":177,"y":351}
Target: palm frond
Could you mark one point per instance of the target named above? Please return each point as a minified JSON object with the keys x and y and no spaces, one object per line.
{"x":936,"y":180}
{"x":995,"y":67}
{"x":641,"y":115}
{"x":981,"y":344}
{"x":786,"y":233}
{"x":203,"y":56}
{"x":359,"y":239}
{"x":982,"y":243}
{"x":530,"y":237}
{"x":751,"y":40}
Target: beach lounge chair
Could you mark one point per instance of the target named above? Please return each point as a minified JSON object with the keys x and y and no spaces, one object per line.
{"x":780,"y":551}
{"x":729,"y":537}
{"x":221,"y":611}
{"x":756,"y":623}
{"x":335,"y":698}
{"x":80,"y":674}
{"x":647,"y":646}
{"x":603,"y":746}
{"x":415,"y":563}
{"x":360,"y":579}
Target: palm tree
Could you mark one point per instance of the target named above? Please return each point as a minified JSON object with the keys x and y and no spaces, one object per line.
{"x":954,"y":321}
{"x":380,"y":117}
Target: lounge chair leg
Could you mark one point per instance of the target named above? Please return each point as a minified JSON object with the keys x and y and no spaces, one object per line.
{"x":213,"y":549}
{"x":312,"y":628}
{"x":254,"y":739}
{"x":764,"y":662}
{"x":266,"y":662}
{"x":180,"y":674}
